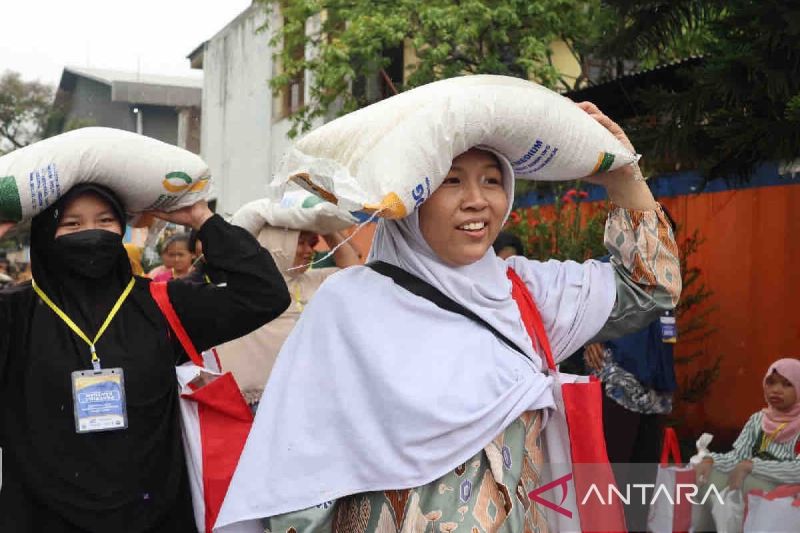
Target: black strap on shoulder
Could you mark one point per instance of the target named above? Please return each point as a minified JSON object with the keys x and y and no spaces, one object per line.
{"x":423,"y":289}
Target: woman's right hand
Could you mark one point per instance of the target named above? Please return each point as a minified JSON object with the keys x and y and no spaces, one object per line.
{"x":703,"y":470}
{"x":5,"y":227}
{"x":194,"y":215}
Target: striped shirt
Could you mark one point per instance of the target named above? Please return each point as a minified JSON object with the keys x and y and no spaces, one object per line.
{"x":783,"y":467}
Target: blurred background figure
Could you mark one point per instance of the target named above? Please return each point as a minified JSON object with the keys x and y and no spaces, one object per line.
{"x":135,"y":256}
{"x":251,"y":358}
{"x":507,"y":245}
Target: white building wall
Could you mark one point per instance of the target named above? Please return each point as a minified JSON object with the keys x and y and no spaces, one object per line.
{"x":238,"y":141}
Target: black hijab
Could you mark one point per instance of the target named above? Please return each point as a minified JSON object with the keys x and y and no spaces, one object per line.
{"x":127,"y":480}
{"x":60,"y":265}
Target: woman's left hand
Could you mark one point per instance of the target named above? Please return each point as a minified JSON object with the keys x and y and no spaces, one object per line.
{"x":193,"y":215}
{"x":739,"y":474}
{"x":626,"y":171}
{"x":625,"y":186}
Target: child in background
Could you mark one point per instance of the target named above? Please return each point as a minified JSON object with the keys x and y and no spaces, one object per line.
{"x":179,"y":256}
{"x":166,"y":264}
{"x":767,"y":452}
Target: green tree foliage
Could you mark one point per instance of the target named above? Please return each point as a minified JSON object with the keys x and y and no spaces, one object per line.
{"x":738,"y":108}
{"x":694,"y":314}
{"x":449,"y":37}
{"x":24,"y":110}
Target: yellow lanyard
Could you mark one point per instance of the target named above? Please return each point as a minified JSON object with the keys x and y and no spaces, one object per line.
{"x":766,"y":441}
{"x":68,"y":321}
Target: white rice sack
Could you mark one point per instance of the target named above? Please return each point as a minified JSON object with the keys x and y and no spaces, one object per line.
{"x":391,"y":155}
{"x":297,"y":210}
{"x":144,"y":172}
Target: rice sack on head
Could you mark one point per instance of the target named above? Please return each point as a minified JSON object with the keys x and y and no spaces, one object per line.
{"x":392,"y":155}
{"x":297,"y":210}
{"x":145,"y":173}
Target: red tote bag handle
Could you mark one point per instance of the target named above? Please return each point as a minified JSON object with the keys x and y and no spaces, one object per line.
{"x":158,"y":290}
{"x":583,"y":404}
{"x":531,"y":317}
{"x":671,"y":448}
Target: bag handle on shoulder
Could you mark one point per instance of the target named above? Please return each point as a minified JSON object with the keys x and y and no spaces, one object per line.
{"x":531,"y":317}
{"x":423,"y":289}
{"x":158,"y":290}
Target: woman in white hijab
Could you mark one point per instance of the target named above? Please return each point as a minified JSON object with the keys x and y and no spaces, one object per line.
{"x":386,"y":413}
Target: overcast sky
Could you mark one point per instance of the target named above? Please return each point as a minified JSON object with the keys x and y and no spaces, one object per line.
{"x":39,"y":37}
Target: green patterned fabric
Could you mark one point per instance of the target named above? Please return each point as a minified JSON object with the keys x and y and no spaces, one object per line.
{"x":488,"y":493}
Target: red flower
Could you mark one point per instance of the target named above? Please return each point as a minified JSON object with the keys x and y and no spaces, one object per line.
{"x":515,"y":218}
{"x":583,"y":194}
{"x":570,"y":193}
{"x":567,"y":199}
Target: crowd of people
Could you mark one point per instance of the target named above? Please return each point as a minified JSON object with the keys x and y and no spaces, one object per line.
{"x":378,"y":406}
{"x":12,"y":273}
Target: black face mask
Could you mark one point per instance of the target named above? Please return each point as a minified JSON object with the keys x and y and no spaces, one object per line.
{"x":89,"y":253}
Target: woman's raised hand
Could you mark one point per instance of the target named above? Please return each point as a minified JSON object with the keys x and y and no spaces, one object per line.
{"x":626,"y":171}
{"x":625,"y":185}
{"x":193,"y":215}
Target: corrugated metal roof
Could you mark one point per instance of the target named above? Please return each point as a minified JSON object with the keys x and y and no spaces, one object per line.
{"x":616,"y":97}
{"x":689,"y":60}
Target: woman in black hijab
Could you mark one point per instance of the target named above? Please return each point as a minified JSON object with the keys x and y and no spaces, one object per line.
{"x":55,"y":479}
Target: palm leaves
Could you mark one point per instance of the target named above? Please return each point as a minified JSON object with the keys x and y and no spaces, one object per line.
{"x":741,"y":107}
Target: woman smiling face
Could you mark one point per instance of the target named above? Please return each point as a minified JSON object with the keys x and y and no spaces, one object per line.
{"x":461,"y":220}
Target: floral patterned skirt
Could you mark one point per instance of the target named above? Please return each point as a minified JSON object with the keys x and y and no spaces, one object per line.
{"x":487,"y":494}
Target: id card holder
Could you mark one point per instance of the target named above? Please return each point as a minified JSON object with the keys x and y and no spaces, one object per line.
{"x":99,"y":400}
{"x":669,"y":329}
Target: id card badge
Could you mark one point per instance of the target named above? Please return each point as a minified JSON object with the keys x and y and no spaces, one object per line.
{"x":669,"y":329}
{"x":99,"y":400}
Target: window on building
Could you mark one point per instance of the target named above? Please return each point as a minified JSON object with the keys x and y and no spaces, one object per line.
{"x":293,"y":95}
{"x":384,"y":82}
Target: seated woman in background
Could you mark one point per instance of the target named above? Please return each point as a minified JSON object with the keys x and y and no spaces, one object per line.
{"x":767,"y":452}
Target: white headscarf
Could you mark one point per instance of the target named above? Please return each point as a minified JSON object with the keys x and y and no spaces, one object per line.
{"x":482,"y":287}
{"x":379,"y":389}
